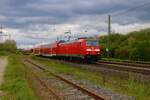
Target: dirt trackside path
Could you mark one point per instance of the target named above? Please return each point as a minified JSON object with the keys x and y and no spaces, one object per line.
{"x":3,"y":63}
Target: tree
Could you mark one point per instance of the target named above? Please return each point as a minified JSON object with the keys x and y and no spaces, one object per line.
{"x":8,"y":45}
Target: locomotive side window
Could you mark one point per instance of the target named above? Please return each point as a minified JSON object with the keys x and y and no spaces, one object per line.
{"x":91,"y":43}
{"x":95,"y":43}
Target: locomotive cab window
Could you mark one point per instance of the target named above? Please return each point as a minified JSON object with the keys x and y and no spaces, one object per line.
{"x":88,"y":43}
{"x":92,"y":43}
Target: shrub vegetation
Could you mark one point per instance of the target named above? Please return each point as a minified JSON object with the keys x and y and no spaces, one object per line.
{"x":133,"y":46}
{"x":8,"y":45}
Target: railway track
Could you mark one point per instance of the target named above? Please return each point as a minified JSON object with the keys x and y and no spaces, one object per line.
{"x":135,"y":64}
{"x":68,"y":90}
{"x":124,"y":66}
{"x":142,"y":68}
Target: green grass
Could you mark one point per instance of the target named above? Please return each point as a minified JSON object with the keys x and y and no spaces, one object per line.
{"x":15,"y":82}
{"x":3,"y":53}
{"x":133,"y":88}
{"x":141,"y":91}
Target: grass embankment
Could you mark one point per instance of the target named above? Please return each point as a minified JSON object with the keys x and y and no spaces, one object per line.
{"x":133,"y":88}
{"x":15,"y":83}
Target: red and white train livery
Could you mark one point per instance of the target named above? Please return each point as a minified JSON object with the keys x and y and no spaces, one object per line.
{"x":83,"y":49}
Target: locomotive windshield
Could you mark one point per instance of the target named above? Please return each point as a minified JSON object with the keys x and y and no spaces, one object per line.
{"x":91,"y":43}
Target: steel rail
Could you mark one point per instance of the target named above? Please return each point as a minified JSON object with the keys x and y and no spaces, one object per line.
{"x":51,"y":91}
{"x":127,"y":63}
{"x":121,"y":67}
{"x":84,"y":90}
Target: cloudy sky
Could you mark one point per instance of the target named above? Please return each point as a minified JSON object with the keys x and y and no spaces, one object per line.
{"x":34,"y":21}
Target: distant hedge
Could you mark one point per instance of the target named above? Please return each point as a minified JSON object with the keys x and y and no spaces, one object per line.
{"x":8,"y":45}
{"x":133,"y":46}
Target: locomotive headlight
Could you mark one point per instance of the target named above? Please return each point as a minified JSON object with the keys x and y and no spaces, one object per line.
{"x":97,"y":50}
{"x":88,"y":49}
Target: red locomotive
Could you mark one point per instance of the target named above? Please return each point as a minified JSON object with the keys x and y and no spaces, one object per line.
{"x":81,"y":49}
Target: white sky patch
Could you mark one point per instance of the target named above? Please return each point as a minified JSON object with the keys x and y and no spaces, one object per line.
{"x":61,"y":28}
{"x":25,"y":46}
{"x":10,"y":33}
{"x":124,"y":29}
{"x":39,"y":34}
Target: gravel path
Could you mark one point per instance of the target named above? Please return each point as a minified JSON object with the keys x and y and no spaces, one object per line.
{"x":3,"y":62}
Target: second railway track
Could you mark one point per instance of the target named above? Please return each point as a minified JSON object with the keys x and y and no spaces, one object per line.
{"x":135,"y":64}
{"x":143,"y":69}
{"x":72,"y":91}
{"x":130,"y":67}
{"x":140,"y":68}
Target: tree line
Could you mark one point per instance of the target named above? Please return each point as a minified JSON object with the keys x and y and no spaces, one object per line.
{"x":8,"y":45}
{"x":133,"y":46}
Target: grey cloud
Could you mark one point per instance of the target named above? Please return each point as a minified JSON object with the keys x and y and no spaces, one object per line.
{"x":61,"y":11}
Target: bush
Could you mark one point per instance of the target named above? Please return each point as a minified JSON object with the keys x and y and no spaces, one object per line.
{"x":133,"y":46}
{"x":8,"y":45}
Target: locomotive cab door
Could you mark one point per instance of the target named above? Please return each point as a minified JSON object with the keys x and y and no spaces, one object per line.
{"x":80,"y":49}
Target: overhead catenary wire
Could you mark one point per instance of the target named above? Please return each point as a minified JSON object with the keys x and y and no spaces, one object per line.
{"x":130,"y":9}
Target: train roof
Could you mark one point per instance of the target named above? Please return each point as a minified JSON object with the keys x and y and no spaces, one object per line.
{"x":76,"y":40}
{"x":62,"y":42}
